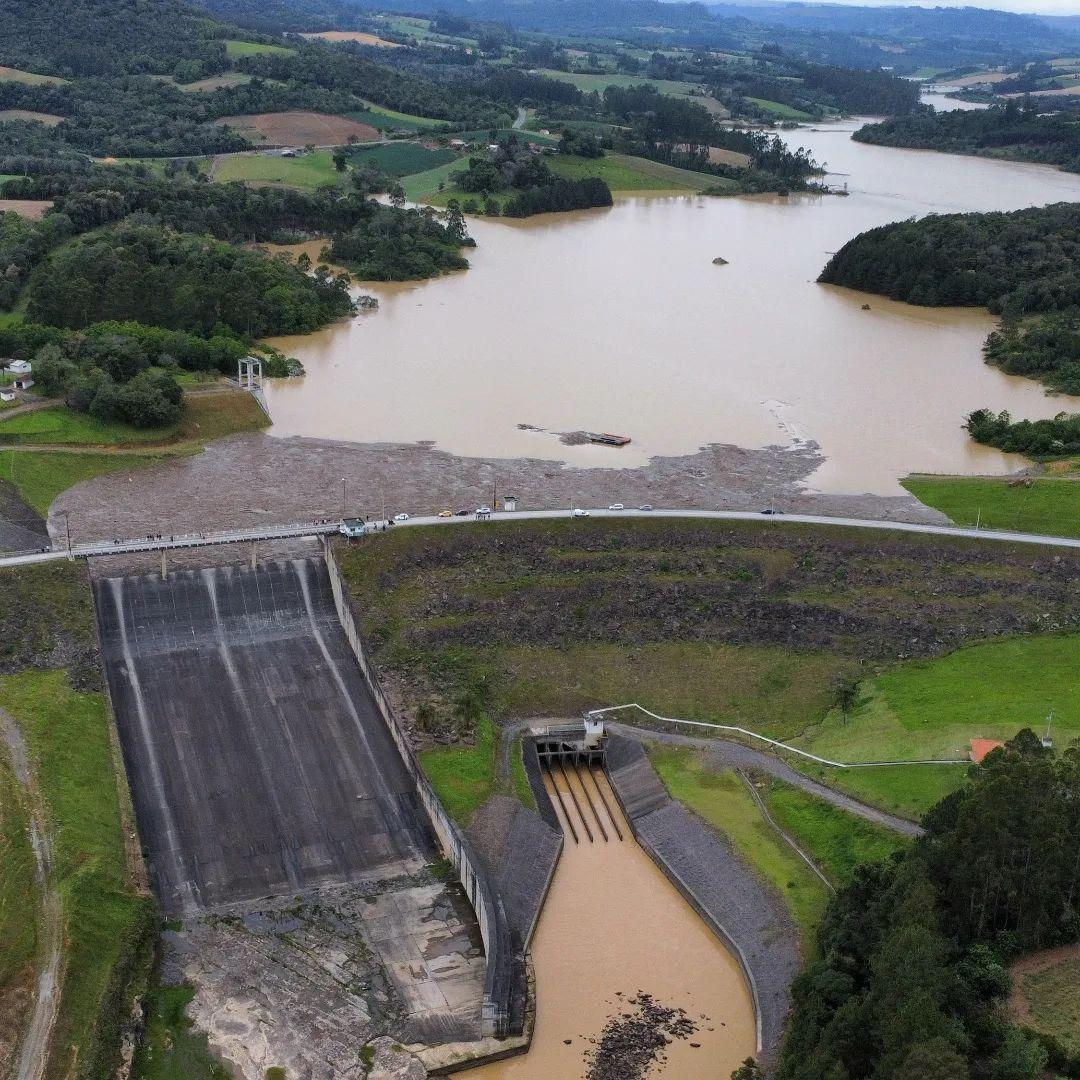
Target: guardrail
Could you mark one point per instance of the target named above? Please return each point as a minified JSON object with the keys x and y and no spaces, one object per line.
{"x":494,"y":929}
{"x":676,"y":723}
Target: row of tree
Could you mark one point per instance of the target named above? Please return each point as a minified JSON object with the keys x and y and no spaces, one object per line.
{"x":912,"y":976}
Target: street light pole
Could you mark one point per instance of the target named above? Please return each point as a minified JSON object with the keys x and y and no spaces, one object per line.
{"x":343,"y":498}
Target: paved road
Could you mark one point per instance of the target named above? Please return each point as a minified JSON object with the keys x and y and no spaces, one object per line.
{"x":281,"y":532}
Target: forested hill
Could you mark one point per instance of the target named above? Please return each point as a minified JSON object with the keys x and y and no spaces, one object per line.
{"x":1017,"y":263}
{"x":73,"y":38}
{"x":1024,"y":266}
{"x":1013,"y":131}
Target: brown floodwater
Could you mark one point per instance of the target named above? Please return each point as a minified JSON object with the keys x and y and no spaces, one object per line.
{"x":617,"y":320}
{"x":614,"y":924}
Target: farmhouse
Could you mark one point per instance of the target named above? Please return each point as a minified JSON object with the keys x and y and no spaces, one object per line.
{"x":20,"y":372}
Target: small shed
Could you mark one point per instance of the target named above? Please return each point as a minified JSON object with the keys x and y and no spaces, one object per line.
{"x":509,"y":502}
{"x":981,"y":747}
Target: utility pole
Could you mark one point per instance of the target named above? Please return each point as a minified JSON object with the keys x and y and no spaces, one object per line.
{"x":67,"y":533}
{"x":343,"y":498}
{"x":494,"y":493}
{"x":978,"y":517}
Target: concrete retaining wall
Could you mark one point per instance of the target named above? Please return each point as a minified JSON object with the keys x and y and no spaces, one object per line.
{"x":494,"y":927}
{"x":740,"y":908}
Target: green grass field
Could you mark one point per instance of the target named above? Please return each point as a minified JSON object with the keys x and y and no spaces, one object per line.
{"x":1053,"y":997}
{"x":235,"y":49}
{"x":722,"y":800}
{"x":933,"y":708}
{"x":106,"y":924}
{"x":402,"y":158}
{"x":424,"y":186}
{"x":836,"y":840}
{"x":464,"y":777}
{"x":307,"y":172}
{"x":778,"y":108}
{"x":599,"y":83}
{"x":378,"y":116}
{"x":1050,"y":506}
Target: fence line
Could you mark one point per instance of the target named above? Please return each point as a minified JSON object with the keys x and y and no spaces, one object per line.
{"x":774,"y":742}
{"x":494,"y":929}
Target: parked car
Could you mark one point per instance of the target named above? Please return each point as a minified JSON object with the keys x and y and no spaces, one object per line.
{"x":769,"y":511}
{"x":461,"y":513}
{"x":446,"y":513}
{"x":616,"y":506}
{"x":645,"y":506}
{"x":578,"y":512}
{"x":401,"y":517}
{"x":483,"y":509}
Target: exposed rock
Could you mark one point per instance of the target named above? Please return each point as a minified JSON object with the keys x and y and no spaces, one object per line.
{"x":393,"y":1062}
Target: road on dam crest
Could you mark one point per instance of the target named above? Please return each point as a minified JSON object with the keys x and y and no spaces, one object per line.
{"x":258,"y":762}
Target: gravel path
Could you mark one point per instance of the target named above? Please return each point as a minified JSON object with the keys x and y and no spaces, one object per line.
{"x":34,"y":1055}
{"x":724,"y":754}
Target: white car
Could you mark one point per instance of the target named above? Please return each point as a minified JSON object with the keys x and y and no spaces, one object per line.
{"x":401,"y":517}
{"x":578,"y":512}
{"x":616,"y":506}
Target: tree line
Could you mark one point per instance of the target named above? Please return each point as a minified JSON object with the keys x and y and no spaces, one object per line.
{"x":912,"y":976}
{"x":1057,"y":437}
{"x":1015,"y":130}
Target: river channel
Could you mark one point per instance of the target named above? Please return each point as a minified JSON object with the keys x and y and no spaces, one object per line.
{"x":614,"y":925}
{"x":618,"y":320}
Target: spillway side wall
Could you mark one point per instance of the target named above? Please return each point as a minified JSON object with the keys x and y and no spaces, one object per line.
{"x":737,"y":906}
{"x":494,"y":927}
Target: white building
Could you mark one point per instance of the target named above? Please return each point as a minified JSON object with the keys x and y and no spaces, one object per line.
{"x":20,"y":372}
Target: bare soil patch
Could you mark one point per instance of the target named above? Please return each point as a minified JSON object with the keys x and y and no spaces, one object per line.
{"x":10,"y":74}
{"x":297,"y":128}
{"x":34,"y":209}
{"x":355,"y":35}
{"x":48,"y":119}
{"x":719,"y":156}
{"x":215,"y":82}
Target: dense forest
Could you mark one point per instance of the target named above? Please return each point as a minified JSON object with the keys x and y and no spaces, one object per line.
{"x":144,"y":273}
{"x":1013,"y":130}
{"x":1021,"y":265}
{"x":1057,"y":437}
{"x":912,"y":976}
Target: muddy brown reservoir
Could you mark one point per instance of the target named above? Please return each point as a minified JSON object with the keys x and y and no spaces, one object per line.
{"x":617,"y":320}
{"x":614,"y":924}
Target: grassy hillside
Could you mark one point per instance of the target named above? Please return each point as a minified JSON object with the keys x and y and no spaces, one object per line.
{"x":732,"y":624}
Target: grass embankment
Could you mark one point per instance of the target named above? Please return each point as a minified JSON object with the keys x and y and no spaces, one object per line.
{"x":46,"y":617}
{"x":592,"y":83}
{"x":933,"y":708}
{"x":402,"y":158}
{"x":19,"y":906}
{"x":722,"y":799}
{"x":464,"y":776}
{"x":1050,"y":505}
{"x":734,"y":623}
{"x":40,"y":475}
